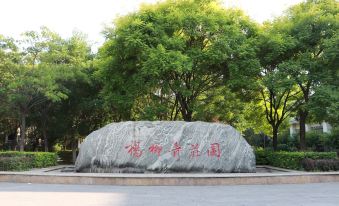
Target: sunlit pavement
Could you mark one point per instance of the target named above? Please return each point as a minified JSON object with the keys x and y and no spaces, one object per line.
{"x":13,"y":194}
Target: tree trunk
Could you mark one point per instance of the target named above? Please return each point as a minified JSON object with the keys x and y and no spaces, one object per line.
{"x":44,"y":133}
{"x":74,"y":155}
{"x":44,"y":120}
{"x":275,"y":138}
{"x":185,"y":109}
{"x":22,"y":132}
{"x":187,"y":115}
{"x":302,"y":125}
{"x":74,"y":150}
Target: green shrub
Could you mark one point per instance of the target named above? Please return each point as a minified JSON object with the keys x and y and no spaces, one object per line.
{"x":320,"y":165}
{"x":260,"y":156}
{"x":286,"y":142}
{"x":332,"y":142}
{"x":316,"y":141}
{"x":44,"y":159}
{"x":289,"y":160}
{"x":257,"y":140}
{"x":18,"y":161}
{"x":286,"y":147}
{"x":323,"y":141}
{"x":66,"y":156}
{"x":15,"y":163}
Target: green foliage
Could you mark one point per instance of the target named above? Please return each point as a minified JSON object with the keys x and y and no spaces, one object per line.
{"x":252,"y":116}
{"x":176,"y":50}
{"x":187,"y":59}
{"x":320,"y":165}
{"x":17,"y":161}
{"x":220,"y":104}
{"x":325,"y":102}
{"x":47,"y":81}
{"x":333,"y":139}
{"x":44,"y":159}
{"x":323,"y":141}
{"x":278,"y":93}
{"x":65,"y":156}
{"x":311,"y":64}
{"x":316,"y":140}
{"x":286,"y":142}
{"x":289,"y":160}
{"x":257,"y":139}
{"x":261,"y":156}
{"x":285,"y":147}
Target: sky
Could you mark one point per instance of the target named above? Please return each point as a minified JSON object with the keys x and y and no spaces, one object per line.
{"x":91,"y":16}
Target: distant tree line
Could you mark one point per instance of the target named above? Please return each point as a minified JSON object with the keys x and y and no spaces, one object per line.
{"x":175,"y":60}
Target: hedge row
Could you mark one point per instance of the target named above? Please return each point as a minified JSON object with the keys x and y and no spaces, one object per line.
{"x":320,"y":165}
{"x":289,"y":160}
{"x":19,"y":161}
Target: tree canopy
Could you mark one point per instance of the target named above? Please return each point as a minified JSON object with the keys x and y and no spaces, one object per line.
{"x":175,"y":56}
{"x":311,"y":65}
{"x":191,"y":60}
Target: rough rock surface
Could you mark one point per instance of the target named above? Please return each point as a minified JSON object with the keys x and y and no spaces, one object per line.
{"x":165,"y":146}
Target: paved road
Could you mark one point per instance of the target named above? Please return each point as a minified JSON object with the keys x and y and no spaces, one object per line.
{"x":12,"y":194}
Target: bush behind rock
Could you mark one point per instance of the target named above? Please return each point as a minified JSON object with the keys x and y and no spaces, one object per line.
{"x":19,"y":161}
{"x":320,"y":165}
{"x":289,"y":160}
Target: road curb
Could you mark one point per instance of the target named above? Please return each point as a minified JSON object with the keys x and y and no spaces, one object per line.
{"x":170,"y":179}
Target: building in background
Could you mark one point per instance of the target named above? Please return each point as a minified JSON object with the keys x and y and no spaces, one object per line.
{"x":323,"y":127}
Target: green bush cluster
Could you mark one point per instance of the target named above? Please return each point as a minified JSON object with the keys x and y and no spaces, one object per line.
{"x":19,"y":161}
{"x":323,"y":141}
{"x":257,"y":139}
{"x":320,"y":165}
{"x":15,"y":163}
{"x":315,"y":141}
{"x":260,"y":156}
{"x":44,"y":159}
{"x":66,"y":156}
{"x":289,"y":160}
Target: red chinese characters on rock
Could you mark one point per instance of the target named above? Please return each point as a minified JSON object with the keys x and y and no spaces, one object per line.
{"x":214,"y":150}
{"x":155,"y":149}
{"x":134,"y":149}
{"x":176,"y":150}
{"x":194,"y":150}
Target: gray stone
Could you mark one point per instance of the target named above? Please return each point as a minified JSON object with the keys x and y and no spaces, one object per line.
{"x":165,"y":146}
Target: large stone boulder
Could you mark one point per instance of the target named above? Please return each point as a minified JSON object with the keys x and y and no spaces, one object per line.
{"x":165,"y":146}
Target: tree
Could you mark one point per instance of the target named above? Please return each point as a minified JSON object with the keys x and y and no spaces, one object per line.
{"x":18,"y":86}
{"x":9,"y":56}
{"x":82,"y":111}
{"x":27,"y":89}
{"x":48,"y":85}
{"x":177,"y":50}
{"x":325,"y":101}
{"x":311,"y":24}
{"x":279,"y":95}
{"x":29,"y":79}
{"x":67,"y":57}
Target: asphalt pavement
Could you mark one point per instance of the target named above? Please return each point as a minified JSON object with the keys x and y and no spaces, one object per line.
{"x":17,"y":194}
